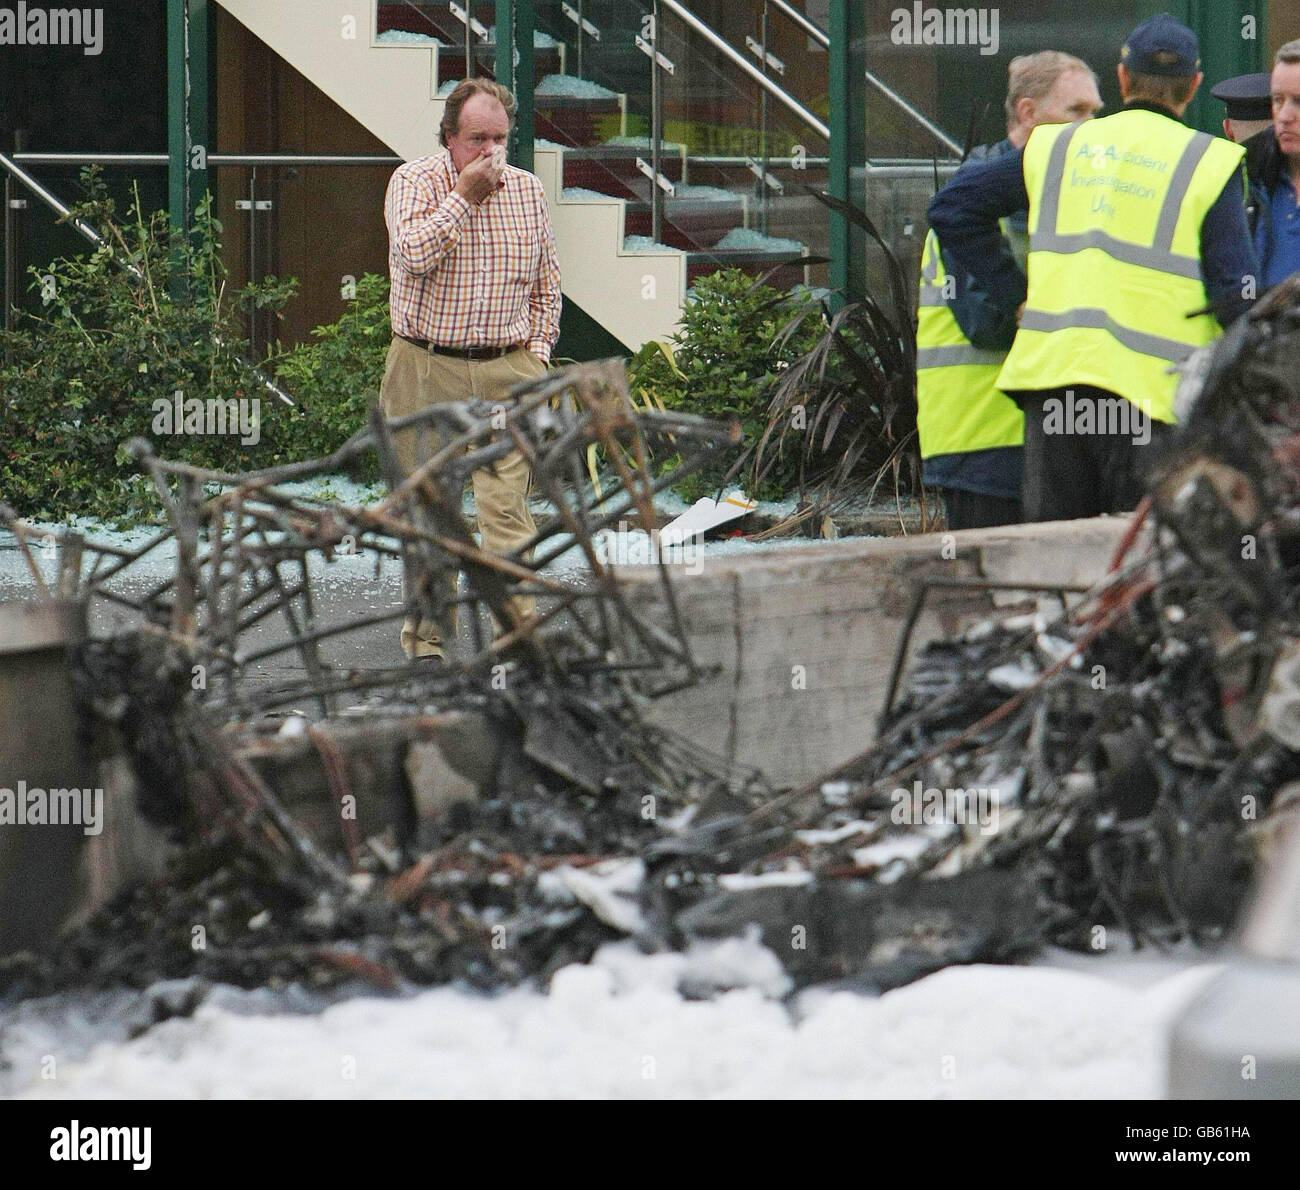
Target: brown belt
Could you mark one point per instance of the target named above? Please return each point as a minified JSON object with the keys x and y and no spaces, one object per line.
{"x":470,"y":353}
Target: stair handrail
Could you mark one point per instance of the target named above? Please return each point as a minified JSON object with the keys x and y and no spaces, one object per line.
{"x":93,"y":236}
{"x":723,"y":46}
{"x":804,"y":21}
{"x":60,"y":208}
{"x":244,"y":159}
{"x":818,"y":34}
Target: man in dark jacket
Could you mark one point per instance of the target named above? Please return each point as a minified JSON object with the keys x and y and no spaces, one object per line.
{"x":1273,"y":172}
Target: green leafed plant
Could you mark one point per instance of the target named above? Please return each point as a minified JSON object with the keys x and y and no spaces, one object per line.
{"x":847,"y":405}
{"x":336,"y":372}
{"x":723,"y":362}
{"x":120,"y":330}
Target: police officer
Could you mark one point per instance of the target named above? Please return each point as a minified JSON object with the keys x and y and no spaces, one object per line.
{"x":1247,"y":98}
{"x":971,"y":434}
{"x":1137,"y":229}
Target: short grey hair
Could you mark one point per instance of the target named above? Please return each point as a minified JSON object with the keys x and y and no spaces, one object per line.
{"x":465,"y":90}
{"x":1289,"y":53}
{"x":1032,"y":76}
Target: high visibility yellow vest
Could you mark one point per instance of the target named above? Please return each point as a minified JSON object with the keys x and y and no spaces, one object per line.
{"x":1115,"y":213}
{"x":959,"y":407}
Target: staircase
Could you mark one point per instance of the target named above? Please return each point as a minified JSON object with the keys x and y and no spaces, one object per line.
{"x":386,"y":64}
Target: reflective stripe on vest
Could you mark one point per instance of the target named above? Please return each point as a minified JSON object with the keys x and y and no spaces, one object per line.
{"x":1116,"y":207}
{"x":959,"y":407}
{"x":1166,"y":349}
{"x":964,"y":353}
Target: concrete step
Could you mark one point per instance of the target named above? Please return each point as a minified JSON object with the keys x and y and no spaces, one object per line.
{"x":451,"y":63}
{"x":806,"y":638}
{"x":701,"y":223}
{"x":581,"y":122}
{"x":755,"y":262}
{"x":730,"y":175}
{"x":613,"y":169}
{"x":420,"y":18}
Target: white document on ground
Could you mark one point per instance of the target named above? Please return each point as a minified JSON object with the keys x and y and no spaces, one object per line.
{"x":705,"y":514}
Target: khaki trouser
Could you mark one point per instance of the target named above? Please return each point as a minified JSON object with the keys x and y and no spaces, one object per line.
{"x":414,"y":379}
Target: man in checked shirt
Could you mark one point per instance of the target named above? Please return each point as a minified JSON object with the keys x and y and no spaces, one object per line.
{"x":475,"y":301}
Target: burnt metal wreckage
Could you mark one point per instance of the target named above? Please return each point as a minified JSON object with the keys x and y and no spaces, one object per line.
{"x":1113,"y":761}
{"x":308,"y":817}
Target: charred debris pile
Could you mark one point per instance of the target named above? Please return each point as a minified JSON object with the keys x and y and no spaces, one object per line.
{"x":1063,"y":776}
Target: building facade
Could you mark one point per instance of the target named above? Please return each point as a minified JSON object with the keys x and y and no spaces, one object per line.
{"x":673,"y":137}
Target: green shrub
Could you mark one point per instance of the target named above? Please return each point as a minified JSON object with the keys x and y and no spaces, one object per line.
{"x":848,"y":406}
{"x":332,"y":375}
{"x":723,"y":363}
{"x":85,"y":370}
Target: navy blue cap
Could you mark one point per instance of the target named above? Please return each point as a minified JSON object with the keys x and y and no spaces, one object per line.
{"x":1162,"y":45}
{"x":1248,"y":96}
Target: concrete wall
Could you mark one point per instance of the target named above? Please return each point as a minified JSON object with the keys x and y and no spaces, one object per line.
{"x":390,"y":89}
{"x":636,"y":296}
{"x":837,"y":612}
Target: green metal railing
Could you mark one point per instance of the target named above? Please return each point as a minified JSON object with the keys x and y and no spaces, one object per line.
{"x":188,"y":24}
